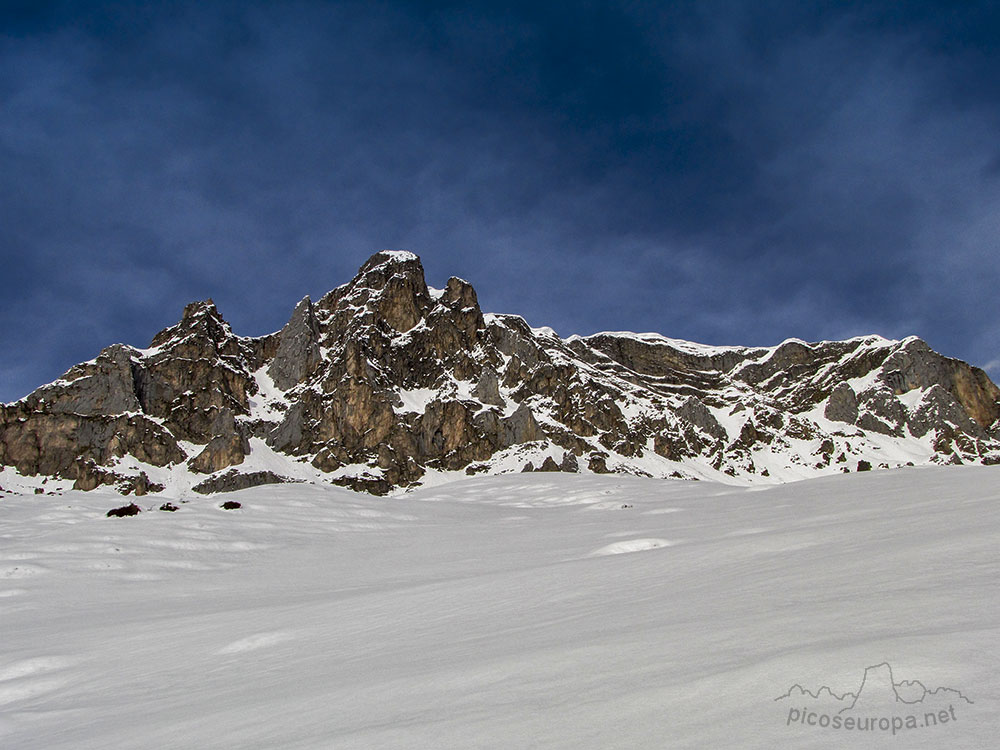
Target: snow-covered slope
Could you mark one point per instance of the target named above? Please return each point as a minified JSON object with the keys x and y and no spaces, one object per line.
{"x":531,"y":610}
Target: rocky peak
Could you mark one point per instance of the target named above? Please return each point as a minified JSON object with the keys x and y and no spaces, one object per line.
{"x":459,"y":294}
{"x":915,"y":365}
{"x":391,"y":262}
{"x":390,"y":287}
{"x":201,"y":332}
{"x":102,"y":386}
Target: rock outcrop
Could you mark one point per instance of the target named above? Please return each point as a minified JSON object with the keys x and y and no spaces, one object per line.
{"x":384,"y":379}
{"x":233,"y":480}
{"x":842,"y":405}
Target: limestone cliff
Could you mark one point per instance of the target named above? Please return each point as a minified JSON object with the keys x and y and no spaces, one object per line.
{"x":385,"y":379}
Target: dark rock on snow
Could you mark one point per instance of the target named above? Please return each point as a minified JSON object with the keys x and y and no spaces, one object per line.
{"x":234,"y":480}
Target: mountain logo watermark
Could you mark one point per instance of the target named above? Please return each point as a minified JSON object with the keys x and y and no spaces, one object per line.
{"x":880,"y":704}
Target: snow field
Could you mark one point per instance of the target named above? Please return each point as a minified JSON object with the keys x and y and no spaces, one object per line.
{"x":534,"y":610}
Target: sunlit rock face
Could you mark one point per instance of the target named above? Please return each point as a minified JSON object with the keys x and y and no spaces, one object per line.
{"x":384,"y":380}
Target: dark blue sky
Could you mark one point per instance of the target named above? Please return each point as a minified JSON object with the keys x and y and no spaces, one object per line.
{"x":725,"y":172}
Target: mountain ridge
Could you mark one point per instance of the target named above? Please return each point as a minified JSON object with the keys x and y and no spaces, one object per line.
{"x":384,"y":383}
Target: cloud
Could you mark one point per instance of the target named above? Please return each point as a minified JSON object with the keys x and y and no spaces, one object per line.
{"x":726,"y":172}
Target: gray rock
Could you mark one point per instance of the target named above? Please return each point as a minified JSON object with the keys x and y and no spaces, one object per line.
{"x":221,"y":451}
{"x":549,"y":464}
{"x":102,"y":387}
{"x":288,"y":435}
{"x":521,"y":427}
{"x":842,"y":405}
{"x":597,"y":463}
{"x":694,"y":411}
{"x":53,"y":444}
{"x":511,"y":335}
{"x":487,"y":389}
{"x":916,"y":365}
{"x":298,"y":352}
{"x":883,"y":403}
{"x":234,"y":480}
{"x":870,"y":422}
{"x":938,"y":407}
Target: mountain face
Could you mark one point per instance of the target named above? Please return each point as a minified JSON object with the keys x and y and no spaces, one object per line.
{"x":386,"y":383}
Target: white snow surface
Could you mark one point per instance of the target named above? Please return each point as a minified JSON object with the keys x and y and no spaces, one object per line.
{"x":872,"y":341}
{"x":517,"y":611}
{"x":398,"y":256}
{"x":690,"y":347}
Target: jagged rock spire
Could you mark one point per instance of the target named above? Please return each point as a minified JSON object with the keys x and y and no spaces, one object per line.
{"x":298,"y":350}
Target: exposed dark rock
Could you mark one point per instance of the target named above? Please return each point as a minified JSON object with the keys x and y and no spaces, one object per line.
{"x":222,"y":451}
{"x":748,"y":437}
{"x":487,"y":389}
{"x":549,"y":464}
{"x":694,"y":411}
{"x":234,"y":480}
{"x":937,"y":408}
{"x":231,"y":505}
{"x":143,"y":486}
{"x":869,"y":421}
{"x":918,"y":366}
{"x":521,"y":427}
{"x":597,"y":464}
{"x":889,"y":411}
{"x":52,"y":444}
{"x":89,"y":476}
{"x":289,"y":435}
{"x":843,"y":405}
{"x":371,"y":485}
{"x":126,"y":510}
{"x":101,"y":387}
{"x":298,"y":350}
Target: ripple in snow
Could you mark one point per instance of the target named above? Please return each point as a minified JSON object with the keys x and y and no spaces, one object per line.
{"x":631,"y":545}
